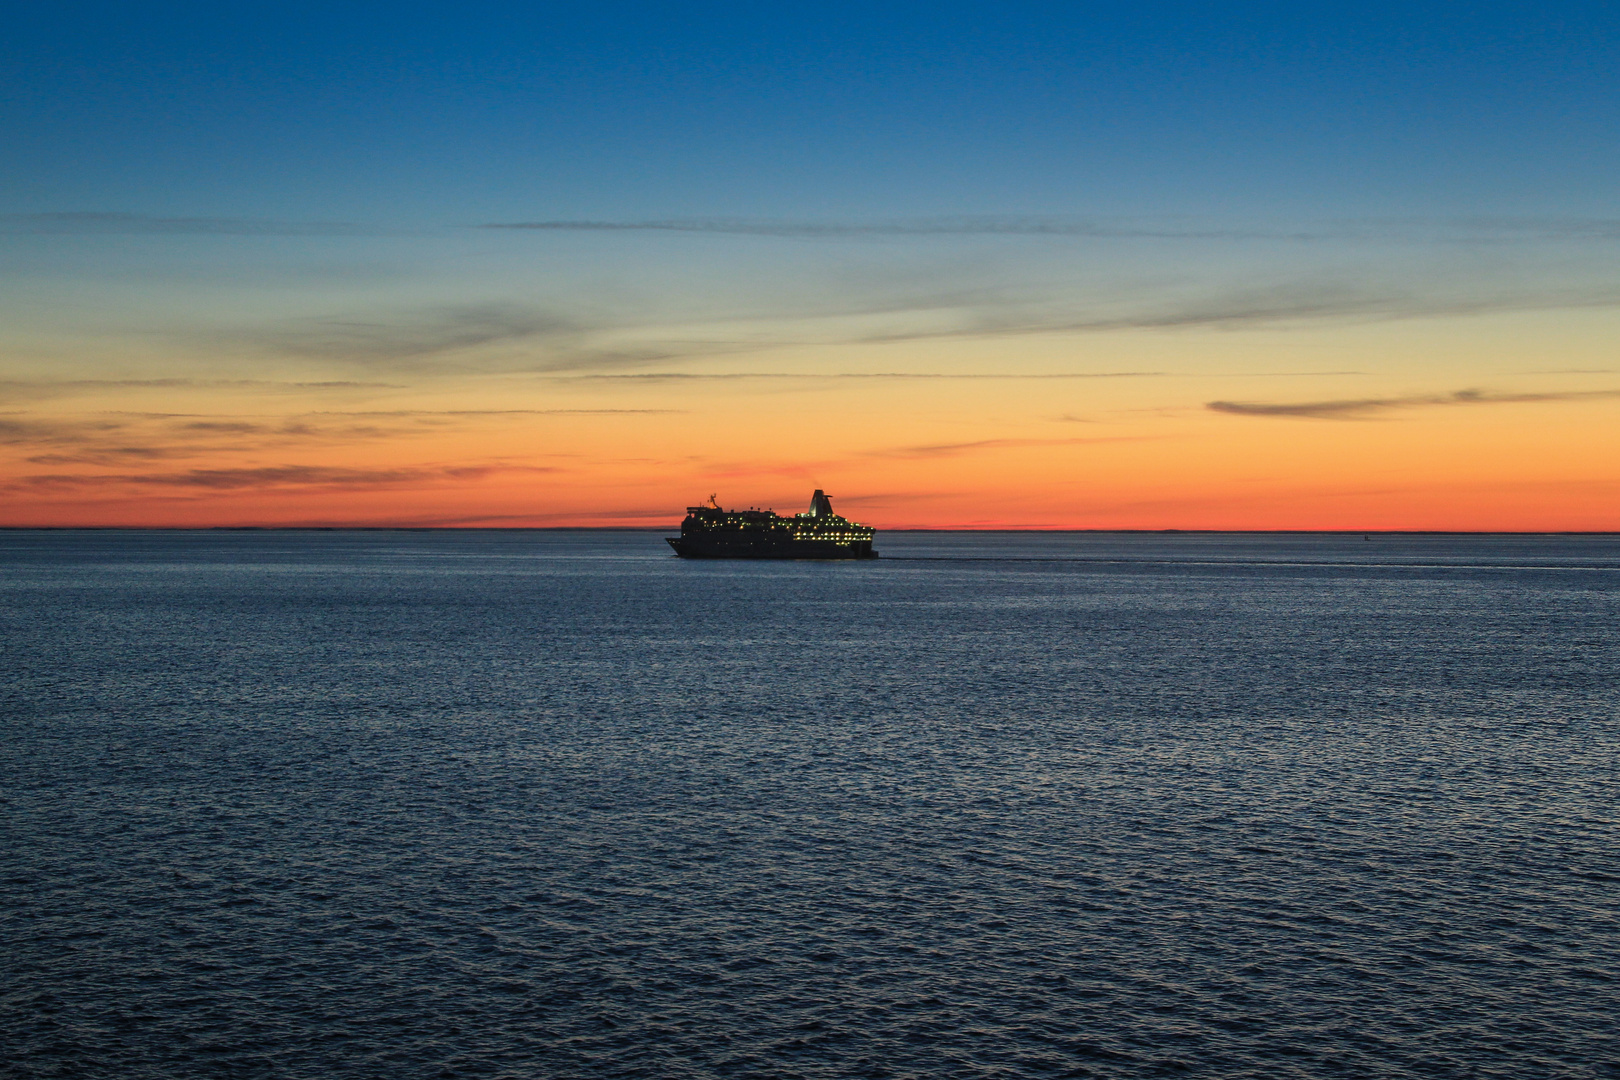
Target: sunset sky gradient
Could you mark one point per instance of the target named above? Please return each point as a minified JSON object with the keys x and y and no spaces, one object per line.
{"x":963,"y":266}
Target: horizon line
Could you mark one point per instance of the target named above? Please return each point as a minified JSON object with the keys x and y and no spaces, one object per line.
{"x":666,"y":528}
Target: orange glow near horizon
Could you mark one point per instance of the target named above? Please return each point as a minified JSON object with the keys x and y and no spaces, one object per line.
{"x":970,"y":453}
{"x":1505,"y":421}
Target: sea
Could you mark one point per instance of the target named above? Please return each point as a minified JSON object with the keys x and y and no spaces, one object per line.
{"x":554,"y":804}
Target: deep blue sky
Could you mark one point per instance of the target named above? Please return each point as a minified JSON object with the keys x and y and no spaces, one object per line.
{"x":426,"y":114}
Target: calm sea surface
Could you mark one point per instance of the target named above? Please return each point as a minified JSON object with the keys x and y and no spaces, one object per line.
{"x":557,"y":804}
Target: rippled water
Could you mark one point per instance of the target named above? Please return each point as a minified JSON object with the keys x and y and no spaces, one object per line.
{"x":558,"y":804}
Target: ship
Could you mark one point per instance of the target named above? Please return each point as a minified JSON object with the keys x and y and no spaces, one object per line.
{"x":708,"y":532}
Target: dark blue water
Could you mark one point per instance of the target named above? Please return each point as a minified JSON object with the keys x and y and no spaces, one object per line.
{"x":560,"y":805}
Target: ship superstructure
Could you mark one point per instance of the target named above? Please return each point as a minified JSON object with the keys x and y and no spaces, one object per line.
{"x":709,"y":532}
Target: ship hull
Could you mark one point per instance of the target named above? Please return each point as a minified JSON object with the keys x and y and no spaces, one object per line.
{"x":748,"y":547}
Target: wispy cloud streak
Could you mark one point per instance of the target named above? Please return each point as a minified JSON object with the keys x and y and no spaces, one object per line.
{"x":413,"y":336}
{"x":1282,"y":305}
{"x":32,"y":432}
{"x":1463,"y":229}
{"x":917,"y":227}
{"x":282,"y":476}
{"x":807,"y":470}
{"x":20,"y":390}
{"x":122,"y":438}
{"x":836,"y":376}
{"x":1471,"y":229}
{"x":1362,"y":408}
{"x":983,"y":445}
{"x":506,"y":412}
{"x":81,"y":222}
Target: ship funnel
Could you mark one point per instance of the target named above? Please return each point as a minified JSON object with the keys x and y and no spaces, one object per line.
{"x":820,"y":505}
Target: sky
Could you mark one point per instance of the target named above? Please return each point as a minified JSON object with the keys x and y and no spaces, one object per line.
{"x":1147,"y":266}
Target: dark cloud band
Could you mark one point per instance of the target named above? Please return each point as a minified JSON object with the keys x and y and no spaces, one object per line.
{"x":1363,"y":408}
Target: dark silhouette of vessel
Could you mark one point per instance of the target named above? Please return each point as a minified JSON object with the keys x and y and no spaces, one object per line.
{"x":708,"y":532}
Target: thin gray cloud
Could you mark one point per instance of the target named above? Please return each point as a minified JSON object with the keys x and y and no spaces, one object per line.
{"x":160,"y":435}
{"x":113,"y":439}
{"x":224,"y":427}
{"x":983,"y":445}
{"x":414,"y":336}
{"x":913,"y":227}
{"x":20,"y":390}
{"x":811,"y":376}
{"x":807,"y":470}
{"x":1486,"y":229}
{"x":1464,"y":230}
{"x":835,"y":376}
{"x":96,"y":223}
{"x":500,"y":337}
{"x":1280,"y":305}
{"x":503,"y":412}
{"x":110,"y":455}
{"x":283,"y":476}
{"x":34,"y":432}
{"x":1364,"y":408}
{"x":1475,"y":229}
